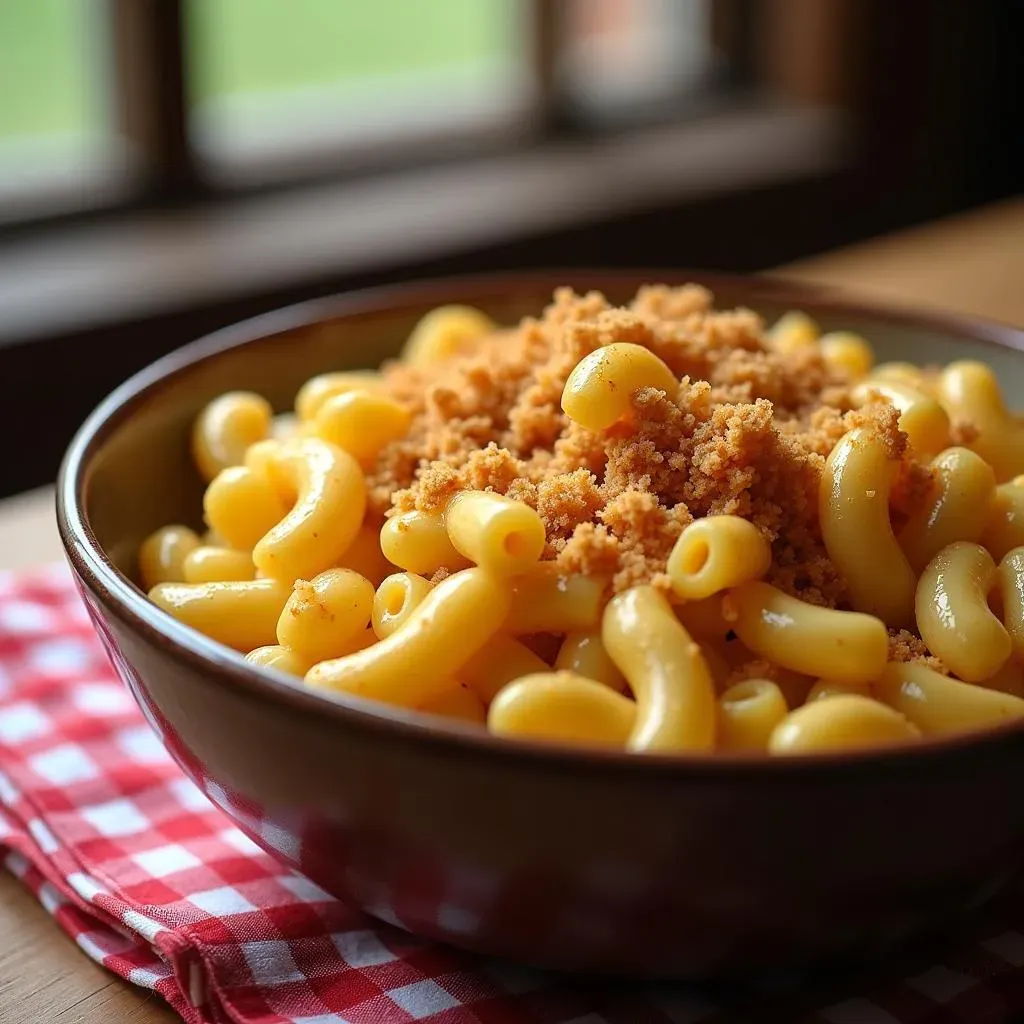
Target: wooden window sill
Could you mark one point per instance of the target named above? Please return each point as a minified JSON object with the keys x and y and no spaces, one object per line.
{"x":135,"y":267}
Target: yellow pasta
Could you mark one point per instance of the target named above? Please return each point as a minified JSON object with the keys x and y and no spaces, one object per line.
{"x":418,"y":542}
{"x":501,"y":535}
{"x":958,"y":508}
{"x":242,"y":615}
{"x":325,"y":518}
{"x":570,"y":616}
{"x":705,"y":618}
{"x":284,"y":426}
{"x":847,"y":646}
{"x":226,"y":427}
{"x":1009,"y":679}
{"x":831,"y":688}
{"x":583,"y":653}
{"x":242,"y":505}
{"x":162,"y":555}
{"x":940,"y":706}
{"x":896,"y":370}
{"x":418,"y":662}
{"x":548,"y":600}
{"x":325,"y":614}
{"x":792,"y":331}
{"x":501,"y":660}
{"x":922,"y":417}
{"x":362,"y":640}
{"x":715,"y":553}
{"x":564,"y":708}
{"x":207,"y":564}
{"x":1011,"y":587}
{"x":666,"y":671}
{"x":1004,"y":529}
{"x":748,"y":714}
{"x":362,"y":422}
{"x":284,"y":659}
{"x":396,"y":599}
{"x":318,"y":390}
{"x":722,"y":649}
{"x":365,"y":557}
{"x":953,"y":615}
{"x":854,"y":511}
{"x":795,"y":686}
{"x":847,"y":352}
{"x":600,"y":390}
{"x":971,"y":392}
{"x":843,"y":722}
{"x":445,"y":332}
{"x":458,"y":702}
{"x":264,"y":459}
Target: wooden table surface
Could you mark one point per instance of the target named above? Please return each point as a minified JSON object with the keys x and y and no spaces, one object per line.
{"x":972,"y":263}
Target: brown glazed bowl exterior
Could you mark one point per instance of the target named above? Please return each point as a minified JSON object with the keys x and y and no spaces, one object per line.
{"x":586,"y":861}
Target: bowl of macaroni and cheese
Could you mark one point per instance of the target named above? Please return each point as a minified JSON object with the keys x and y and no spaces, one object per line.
{"x":607,"y":625}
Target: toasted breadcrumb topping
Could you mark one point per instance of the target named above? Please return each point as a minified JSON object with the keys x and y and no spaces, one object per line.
{"x":747,"y":434}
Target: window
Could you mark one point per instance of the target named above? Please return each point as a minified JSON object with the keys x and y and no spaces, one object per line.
{"x":321,"y":78}
{"x":55,"y":143}
{"x":628,"y":58}
{"x":147,"y":101}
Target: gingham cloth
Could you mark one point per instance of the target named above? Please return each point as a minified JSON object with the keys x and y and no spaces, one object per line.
{"x":153,"y":882}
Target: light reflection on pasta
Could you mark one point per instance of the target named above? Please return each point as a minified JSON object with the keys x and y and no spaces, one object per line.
{"x":562,"y":534}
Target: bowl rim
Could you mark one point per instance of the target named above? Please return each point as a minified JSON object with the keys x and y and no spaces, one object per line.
{"x":224,"y":667}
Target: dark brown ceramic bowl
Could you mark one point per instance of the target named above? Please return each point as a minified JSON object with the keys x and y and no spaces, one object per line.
{"x":682,"y":866}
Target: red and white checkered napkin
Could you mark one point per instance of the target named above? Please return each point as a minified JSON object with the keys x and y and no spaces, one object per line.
{"x":153,"y":882}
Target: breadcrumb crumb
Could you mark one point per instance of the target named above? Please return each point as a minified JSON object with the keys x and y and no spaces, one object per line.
{"x":747,"y":434}
{"x":905,"y":646}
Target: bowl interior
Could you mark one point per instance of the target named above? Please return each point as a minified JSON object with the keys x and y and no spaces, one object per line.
{"x":138,"y":473}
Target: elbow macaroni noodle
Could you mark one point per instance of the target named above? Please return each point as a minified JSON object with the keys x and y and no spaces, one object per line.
{"x":716,"y":553}
{"x":418,"y":542}
{"x":922,"y":418}
{"x":362,"y":422}
{"x":503,"y":536}
{"x":464,"y":613}
{"x":971,"y":392}
{"x":397,"y":597}
{"x":845,"y":721}
{"x":853,"y":507}
{"x":959,"y":508}
{"x":953,"y":612}
{"x":599,"y":391}
{"x":848,"y":646}
{"x":162,"y":555}
{"x":748,"y":714}
{"x":1004,"y":527}
{"x":583,"y":653}
{"x":564,"y":707}
{"x":327,"y":514}
{"x":209,"y":563}
{"x":226,"y":428}
{"x":500,"y":661}
{"x":325,"y":615}
{"x":846,"y":351}
{"x":665,"y":669}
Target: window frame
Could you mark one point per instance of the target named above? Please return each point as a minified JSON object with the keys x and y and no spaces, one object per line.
{"x":164,"y":167}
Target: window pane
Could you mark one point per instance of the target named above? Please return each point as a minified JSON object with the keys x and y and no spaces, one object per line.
{"x":268,"y":75}
{"x":52,"y":119}
{"x":630,"y":55}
